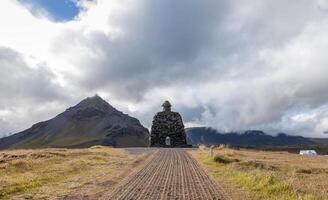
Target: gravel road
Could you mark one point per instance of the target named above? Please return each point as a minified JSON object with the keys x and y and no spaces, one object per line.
{"x":169,"y":174}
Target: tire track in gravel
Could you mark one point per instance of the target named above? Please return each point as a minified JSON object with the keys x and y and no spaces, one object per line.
{"x":170,"y":174}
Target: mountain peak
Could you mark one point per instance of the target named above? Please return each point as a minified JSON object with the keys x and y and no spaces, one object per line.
{"x":95,"y":102}
{"x":95,"y":98}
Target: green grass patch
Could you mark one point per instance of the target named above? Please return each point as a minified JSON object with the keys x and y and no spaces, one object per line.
{"x":53,"y":173}
{"x":100,"y":147}
{"x":30,"y":177}
{"x":19,"y":187}
{"x":253,"y":177}
{"x":26,"y":175}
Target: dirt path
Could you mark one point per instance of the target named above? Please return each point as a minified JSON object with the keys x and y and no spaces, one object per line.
{"x":170,"y":174}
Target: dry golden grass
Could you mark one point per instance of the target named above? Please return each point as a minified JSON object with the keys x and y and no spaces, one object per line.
{"x":270,"y":175}
{"x":57,"y":173}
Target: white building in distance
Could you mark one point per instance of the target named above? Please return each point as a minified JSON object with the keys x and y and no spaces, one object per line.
{"x":308,"y":153}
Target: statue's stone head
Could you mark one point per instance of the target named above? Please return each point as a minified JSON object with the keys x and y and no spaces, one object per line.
{"x":166,"y":106}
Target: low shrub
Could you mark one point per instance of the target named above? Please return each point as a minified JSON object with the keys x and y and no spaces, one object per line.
{"x":249,"y":165}
{"x":224,"y":160}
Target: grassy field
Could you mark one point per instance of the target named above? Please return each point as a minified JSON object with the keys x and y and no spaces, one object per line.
{"x":268,"y":175}
{"x":59,"y":173}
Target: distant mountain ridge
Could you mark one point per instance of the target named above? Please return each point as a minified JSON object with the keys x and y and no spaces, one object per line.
{"x":93,"y":121}
{"x":254,"y":138}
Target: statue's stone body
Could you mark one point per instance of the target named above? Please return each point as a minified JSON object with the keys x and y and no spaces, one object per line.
{"x":168,"y":129}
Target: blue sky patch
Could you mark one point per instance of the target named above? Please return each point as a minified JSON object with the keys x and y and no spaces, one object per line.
{"x":59,"y":10}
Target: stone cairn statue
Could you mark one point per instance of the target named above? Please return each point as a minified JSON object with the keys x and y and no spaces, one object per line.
{"x":167,"y":129}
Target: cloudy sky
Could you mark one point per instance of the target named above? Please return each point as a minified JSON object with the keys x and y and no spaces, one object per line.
{"x":230,"y":64}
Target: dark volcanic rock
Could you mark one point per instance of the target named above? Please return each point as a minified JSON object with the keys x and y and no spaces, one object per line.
{"x":168,"y":129}
{"x":91,"y":122}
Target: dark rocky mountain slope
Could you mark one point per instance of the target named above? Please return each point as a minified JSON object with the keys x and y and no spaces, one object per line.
{"x":91,"y":122}
{"x":209,"y":136}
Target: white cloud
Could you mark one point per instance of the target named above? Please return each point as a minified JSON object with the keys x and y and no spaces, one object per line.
{"x":323,"y":4}
{"x":228,"y":64}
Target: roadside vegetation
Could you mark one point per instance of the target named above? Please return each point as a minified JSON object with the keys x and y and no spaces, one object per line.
{"x":268,"y":175}
{"x":57,"y":173}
